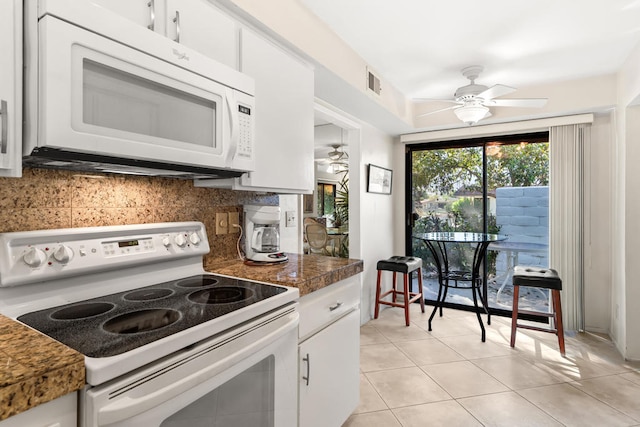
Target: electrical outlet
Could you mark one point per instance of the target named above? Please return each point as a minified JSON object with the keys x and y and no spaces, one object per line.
{"x":222,"y":223}
{"x":234,"y":218}
{"x":290,"y":218}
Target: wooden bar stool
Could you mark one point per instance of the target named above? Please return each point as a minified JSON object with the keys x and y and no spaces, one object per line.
{"x":536,"y":277}
{"x":404,"y":265}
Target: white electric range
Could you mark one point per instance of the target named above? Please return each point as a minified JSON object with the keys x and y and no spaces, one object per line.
{"x":162,"y":338}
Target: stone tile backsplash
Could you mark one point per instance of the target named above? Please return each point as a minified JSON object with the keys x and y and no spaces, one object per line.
{"x":46,"y":199}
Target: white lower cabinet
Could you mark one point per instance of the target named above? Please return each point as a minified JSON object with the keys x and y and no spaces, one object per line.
{"x":60,"y":412}
{"x":329,"y":355}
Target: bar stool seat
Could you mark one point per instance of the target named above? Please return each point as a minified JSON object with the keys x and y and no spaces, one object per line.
{"x":536,"y":277}
{"x":404,"y":265}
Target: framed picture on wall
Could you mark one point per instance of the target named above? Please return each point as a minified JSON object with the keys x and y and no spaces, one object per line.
{"x":307,"y":201}
{"x":379,"y":179}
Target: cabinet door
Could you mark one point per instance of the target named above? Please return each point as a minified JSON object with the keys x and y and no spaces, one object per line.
{"x":329,"y":363}
{"x":11,"y":89}
{"x":142,"y":12}
{"x":284,"y":116}
{"x":199,"y":25}
{"x":60,"y":412}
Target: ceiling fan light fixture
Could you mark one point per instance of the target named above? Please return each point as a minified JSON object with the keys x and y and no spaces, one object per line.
{"x":471,"y":114}
{"x":338,"y":167}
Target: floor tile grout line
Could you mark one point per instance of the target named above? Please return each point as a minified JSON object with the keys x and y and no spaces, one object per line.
{"x":573,"y":384}
{"x":538,"y":407}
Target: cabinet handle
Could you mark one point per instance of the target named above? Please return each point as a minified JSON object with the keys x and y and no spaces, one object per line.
{"x":335,"y":307}
{"x":152,"y":13}
{"x":308,"y":360}
{"x":5,"y":124}
{"x":177,"y":22}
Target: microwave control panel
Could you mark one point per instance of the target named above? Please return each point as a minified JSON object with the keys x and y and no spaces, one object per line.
{"x":245,"y":131}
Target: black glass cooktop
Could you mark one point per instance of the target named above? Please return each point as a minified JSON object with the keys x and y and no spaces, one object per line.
{"x":116,"y":323}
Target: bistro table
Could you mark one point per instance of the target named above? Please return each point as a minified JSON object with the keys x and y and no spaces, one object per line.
{"x":437,"y":242}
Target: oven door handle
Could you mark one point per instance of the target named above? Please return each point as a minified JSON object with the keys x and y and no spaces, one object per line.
{"x":134,"y":404}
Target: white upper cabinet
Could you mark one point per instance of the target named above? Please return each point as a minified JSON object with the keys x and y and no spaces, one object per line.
{"x":142,"y":12}
{"x":196,"y":24}
{"x":284,"y":114}
{"x":11,"y":89}
{"x":200,"y":26}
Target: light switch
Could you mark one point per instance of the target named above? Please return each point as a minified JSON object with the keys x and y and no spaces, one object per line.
{"x":222,"y":223}
{"x":290,"y":217}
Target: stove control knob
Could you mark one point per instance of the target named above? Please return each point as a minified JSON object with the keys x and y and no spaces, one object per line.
{"x":63,"y":254}
{"x":166,"y":241}
{"x":34,"y":257}
{"x":180,"y":240}
{"x":194,"y":239}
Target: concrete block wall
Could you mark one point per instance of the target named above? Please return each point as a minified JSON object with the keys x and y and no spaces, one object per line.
{"x":523,"y":215}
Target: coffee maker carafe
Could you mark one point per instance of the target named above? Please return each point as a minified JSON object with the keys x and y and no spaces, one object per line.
{"x":262,"y":240}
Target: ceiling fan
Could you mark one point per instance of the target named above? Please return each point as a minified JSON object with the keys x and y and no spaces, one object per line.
{"x":336,"y":153}
{"x":337,"y":159}
{"x":473,"y":100}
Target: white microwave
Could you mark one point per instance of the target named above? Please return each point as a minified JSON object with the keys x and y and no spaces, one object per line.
{"x":104,"y":94}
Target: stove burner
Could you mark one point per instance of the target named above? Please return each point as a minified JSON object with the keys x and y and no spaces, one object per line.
{"x":147,"y":294}
{"x":197,"y":282}
{"x":221,"y":295}
{"x":141,"y":321}
{"x":81,"y":311}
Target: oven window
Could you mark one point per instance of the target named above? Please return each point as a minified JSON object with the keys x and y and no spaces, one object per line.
{"x":114,"y":99}
{"x":246,"y":400}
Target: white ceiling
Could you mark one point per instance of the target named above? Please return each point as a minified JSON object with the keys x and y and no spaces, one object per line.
{"x":420,"y":46}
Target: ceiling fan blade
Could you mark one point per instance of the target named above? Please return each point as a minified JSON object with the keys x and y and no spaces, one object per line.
{"x":514,"y":102}
{"x":450,"y":101}
{"x":496,"y":91}
{"x":438,"y":111}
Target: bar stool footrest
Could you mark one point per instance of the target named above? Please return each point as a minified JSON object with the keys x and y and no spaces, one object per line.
{"x":537,"y":328}
{"x":413,"y":297}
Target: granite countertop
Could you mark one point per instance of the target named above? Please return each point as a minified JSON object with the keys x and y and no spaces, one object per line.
{"x":308,"y":273}
{"x":34,"y":368}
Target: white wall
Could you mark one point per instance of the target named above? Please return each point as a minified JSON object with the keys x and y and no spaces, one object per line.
{"x":377,"y":220}
{"x":598,"y":243}
{"x":291,"y":237}
{"x":630,"y":315}
{"x":625,"y":320}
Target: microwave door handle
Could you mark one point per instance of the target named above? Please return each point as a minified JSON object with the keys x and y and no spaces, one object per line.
{"x":176,"y":20}
{"x":152,"y":14}
{"x":5,"y":124}
{"x":233,"y":127}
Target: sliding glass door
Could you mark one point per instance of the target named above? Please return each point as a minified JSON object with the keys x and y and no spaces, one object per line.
{"x":492,"y":185}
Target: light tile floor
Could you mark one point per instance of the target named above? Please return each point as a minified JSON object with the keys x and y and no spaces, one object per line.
{"x":448,"y":377}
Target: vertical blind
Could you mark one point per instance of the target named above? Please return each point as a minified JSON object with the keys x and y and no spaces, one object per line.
{"x":567,"y":146}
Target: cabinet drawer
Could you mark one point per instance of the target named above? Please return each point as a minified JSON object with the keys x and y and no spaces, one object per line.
{"x":325,"y":306}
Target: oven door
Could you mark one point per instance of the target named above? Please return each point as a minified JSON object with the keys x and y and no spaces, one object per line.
{"x":243,"y":377}
{"x":103,"y":97}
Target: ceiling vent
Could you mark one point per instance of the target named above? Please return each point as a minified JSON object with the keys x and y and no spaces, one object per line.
{"x":373,"y":82}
